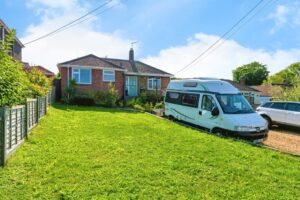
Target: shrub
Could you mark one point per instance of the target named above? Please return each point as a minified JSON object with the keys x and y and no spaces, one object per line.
{"x":82,"y":101}
{"x":152,"y":97}
{"x":139,"y":107}
{"x":39,"y":83}
{"x":70,"y":91}
{"x":13,"y":80}
{"x":107,"y":98}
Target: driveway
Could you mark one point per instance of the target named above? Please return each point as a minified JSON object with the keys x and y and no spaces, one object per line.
{"x":285,"y":139}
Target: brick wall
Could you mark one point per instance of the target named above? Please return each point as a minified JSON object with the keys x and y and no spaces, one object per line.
{"x":97,"y":82}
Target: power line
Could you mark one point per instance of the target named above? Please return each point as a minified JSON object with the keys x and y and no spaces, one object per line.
{"x":222,"y":37}
{"x":68,"y":24}
{"x":246,"y":22}
{"x":99,"y":13}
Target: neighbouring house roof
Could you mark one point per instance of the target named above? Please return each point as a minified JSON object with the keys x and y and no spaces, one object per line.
{"x":8,"y":30}
{"x":240,"y":86}
{"x":45,"y":71}
{"x":131,"y":67}
{"x":264,"y":89}
{"x":90,"y":61}
{"x":26,"y":65}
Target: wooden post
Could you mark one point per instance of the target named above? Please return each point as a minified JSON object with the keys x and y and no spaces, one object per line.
{"x":46,"y":104}
{"x":37,"y":110}
{"x":10,"y":128}
{"x":16,"y":126}
{"x":26,"y":119}
{"x":2,"y":136}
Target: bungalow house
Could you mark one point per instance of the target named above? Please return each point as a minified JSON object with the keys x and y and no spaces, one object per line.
{"x":16,"y":50}
{"x":251,"y":94}
{"x":265,"y":92}
{"x":130,"y":77}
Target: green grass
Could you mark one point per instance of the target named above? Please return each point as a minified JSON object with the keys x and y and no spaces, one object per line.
{"x":95,"y":153}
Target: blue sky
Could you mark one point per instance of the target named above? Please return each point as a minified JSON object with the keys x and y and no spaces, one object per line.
{"x":169,"y":33}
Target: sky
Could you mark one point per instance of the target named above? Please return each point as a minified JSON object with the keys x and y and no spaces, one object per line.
{"x":169,"y":34}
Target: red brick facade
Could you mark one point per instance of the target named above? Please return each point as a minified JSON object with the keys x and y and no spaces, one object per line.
{"x":98,"y":84}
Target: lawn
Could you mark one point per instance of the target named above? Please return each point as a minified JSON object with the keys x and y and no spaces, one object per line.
{"x":96,"y":153}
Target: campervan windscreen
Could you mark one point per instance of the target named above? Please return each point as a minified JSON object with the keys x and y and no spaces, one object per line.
{"x":234,"y":104}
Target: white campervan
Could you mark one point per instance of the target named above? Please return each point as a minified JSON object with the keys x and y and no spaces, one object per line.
{"x":214,"y":105}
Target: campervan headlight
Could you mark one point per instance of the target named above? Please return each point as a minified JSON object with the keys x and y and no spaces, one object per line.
{"x":244,"y":128}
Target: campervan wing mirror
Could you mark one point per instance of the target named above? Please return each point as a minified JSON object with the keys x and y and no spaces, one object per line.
{"x":215,"y":111}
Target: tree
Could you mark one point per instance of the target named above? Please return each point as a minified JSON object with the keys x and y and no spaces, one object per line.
{"x":288,"y":75}
{"x":13,"y":80}
{"x":287,"y":94}
{"x":253,"y":73}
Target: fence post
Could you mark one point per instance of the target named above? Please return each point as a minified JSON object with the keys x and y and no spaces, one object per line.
{"x":46,"y":103}
{"x":37,"y":110}
{"x":26,"y":119}
{"x":2,"y":136}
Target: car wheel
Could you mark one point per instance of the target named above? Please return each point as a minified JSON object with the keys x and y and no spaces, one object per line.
{"x":219,"y":132}
{"x":269,"y":121}
{"x":171,"y":118}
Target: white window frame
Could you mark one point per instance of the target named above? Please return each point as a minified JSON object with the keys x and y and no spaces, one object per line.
{"x":109,"y":70}
{"x":79,"y":70}
{"x":152,"y":80}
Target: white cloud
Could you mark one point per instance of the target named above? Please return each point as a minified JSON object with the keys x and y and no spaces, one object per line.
{"x":74,"y":42}
{"x":220,"y":62}
{"x":288,"y":14}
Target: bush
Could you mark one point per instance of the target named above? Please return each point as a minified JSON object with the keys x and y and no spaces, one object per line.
{"x":107,"y":98}
{"x":70,"y":91}
{"x":152,"y":97}
{"x":147,"y":101}
{"x":287,"y":94}
{"x":13,"y":80}
{"x":39,"y":83}
{"x":82,"y":101}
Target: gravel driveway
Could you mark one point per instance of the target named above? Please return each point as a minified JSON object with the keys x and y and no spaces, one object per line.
{"x":285,"y":139}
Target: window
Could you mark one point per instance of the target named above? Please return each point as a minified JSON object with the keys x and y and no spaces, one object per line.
{"x":154,"y":84}
{"x":173,"y":97}
{"x":279,"y":106}
{"x":293,"y":107}
{"x":190,"y":100}
{"x":208,"y":103}
{"x":234,"y":104}
{"x":82,"y":76}
{"x":109,"y":76}
{"x":267,"y":105}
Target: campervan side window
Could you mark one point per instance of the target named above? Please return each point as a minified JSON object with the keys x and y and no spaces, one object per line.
{"x":173,"y":97}
{"x":190,"y":100}
{"x":207,"y":103}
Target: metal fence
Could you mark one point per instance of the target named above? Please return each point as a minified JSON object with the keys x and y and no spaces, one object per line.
{"x":16,"y":123}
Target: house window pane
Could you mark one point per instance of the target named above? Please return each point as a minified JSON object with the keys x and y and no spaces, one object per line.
{"x":85,"y":76}
{"x":154,"y":84}
{"x":76,"y":77}
{"x":109,"y":75}
{"x":150,"y":85}
{"x":82,"y":76}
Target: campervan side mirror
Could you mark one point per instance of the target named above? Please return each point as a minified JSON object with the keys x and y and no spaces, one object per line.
{"x":215,"y":111}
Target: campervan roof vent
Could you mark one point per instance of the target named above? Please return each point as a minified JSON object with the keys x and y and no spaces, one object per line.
{"x":190,"y":84}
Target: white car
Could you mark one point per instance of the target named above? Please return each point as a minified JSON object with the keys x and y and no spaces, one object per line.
{"x":287,"y":113}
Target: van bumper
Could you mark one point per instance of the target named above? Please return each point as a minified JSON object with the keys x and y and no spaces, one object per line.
{"x":263,"y":134}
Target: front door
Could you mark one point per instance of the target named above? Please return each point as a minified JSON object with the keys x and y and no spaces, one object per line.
{"x":131,"y":86}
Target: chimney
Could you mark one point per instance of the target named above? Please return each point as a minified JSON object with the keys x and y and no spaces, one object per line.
{"x":131,"y":55}
{"x":243,"y":81}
